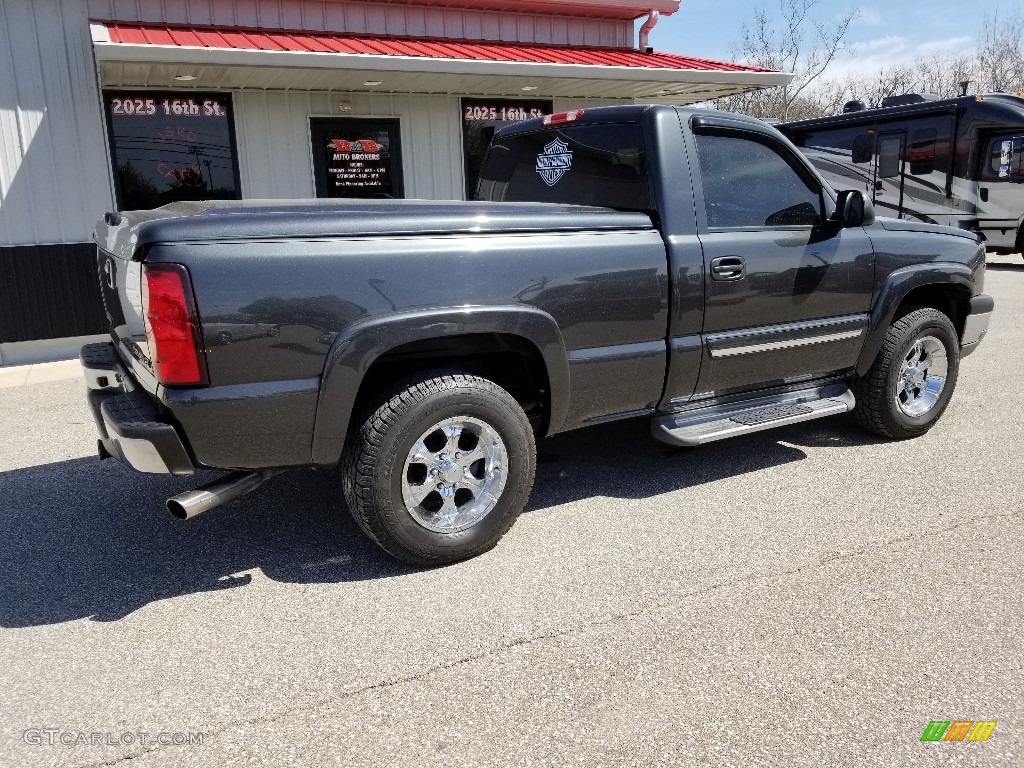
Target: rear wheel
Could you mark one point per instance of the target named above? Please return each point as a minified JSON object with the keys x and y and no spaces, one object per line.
{"x":911,"y":381}
{"x":439,"y":470}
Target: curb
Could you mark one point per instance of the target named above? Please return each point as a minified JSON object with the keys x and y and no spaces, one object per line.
{"x":39,"y":373}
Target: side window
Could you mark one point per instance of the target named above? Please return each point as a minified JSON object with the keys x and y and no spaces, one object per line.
{"x":889,"y":157}
{"x":1005,"y":160}
{"x":922,"y":151}
{"x":749,"y":184}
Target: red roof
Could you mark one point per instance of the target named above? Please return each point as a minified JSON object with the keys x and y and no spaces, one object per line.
{"x":476,"y":50}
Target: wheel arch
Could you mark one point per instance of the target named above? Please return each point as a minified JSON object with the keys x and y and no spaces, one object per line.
{"x":361,"y":357}
{"x":944,"y":286}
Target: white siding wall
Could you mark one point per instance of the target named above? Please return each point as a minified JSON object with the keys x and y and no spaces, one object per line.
{"x":54,"y":176}
{"x":372,"y":18}
{"x":274,"y":146}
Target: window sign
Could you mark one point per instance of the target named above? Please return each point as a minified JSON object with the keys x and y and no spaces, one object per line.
{"x":357,"y":157}
{"x":480,"y":119}
{"x":171,"y":146}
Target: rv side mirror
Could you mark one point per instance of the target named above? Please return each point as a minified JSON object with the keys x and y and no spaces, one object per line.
{"x":852,"y":210}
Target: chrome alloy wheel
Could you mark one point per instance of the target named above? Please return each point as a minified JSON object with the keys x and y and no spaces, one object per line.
{"x":922,"y":376}
{"x":454,"y":474}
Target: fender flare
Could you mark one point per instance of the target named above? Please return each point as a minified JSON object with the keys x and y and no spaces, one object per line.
{"x":358,"y":346}
{"x":896,"y":288}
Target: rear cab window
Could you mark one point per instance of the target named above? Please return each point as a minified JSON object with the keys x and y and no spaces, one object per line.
{"x":602,"y":165}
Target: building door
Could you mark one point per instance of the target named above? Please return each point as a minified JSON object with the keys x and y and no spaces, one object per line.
{"x":889,"y":173}
{"x":357,"y":157}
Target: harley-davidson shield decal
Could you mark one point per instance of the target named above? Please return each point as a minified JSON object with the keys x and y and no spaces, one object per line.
{"x":554,"y":162}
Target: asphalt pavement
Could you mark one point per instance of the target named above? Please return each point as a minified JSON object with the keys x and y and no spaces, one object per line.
{"x":812,"y":596}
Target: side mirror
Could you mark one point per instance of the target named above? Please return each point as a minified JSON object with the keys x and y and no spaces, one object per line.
{"x":853,"y":210}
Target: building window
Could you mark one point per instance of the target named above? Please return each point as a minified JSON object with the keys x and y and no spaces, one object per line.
{"x":169,"y":146}
{"x":480,"y":119}
{"x":357,"y":157}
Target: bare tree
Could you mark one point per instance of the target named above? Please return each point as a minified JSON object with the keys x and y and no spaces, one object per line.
{"x":939,"y":74}
{"x":1001,"y":53}
{"x":799,"y":43}
{"x":944,"y":75}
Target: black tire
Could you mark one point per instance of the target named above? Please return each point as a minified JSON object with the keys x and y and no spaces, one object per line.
{"x":877,"y":409}
{"x":374,"y":465}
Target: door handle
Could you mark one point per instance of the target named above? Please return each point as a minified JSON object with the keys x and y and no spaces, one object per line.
{"x":728,"y":268}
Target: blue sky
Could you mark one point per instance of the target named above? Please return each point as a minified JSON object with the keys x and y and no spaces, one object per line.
{"x":885,"y":33}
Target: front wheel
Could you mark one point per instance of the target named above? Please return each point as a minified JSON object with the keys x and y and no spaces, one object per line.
{"x":440,"y":469}
{"x":911,"y":381}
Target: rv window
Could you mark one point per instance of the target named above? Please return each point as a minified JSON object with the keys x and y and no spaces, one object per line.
{"x":862,"y":148}
{"x":922,"y":151}
{"x":889,"y":156}
{"x":1005,"y":160}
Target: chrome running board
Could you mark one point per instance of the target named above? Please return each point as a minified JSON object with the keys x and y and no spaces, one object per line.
{"x":717,"y":422}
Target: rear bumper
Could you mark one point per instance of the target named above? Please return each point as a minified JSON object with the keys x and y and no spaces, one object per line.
{"x":129,"y":422}
{"x":976,"y":324}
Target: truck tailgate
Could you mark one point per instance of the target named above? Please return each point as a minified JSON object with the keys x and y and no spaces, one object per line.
{"x":121,"y":287}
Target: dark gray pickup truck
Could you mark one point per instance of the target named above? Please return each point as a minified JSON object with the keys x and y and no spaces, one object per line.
{"x":686,"y":266}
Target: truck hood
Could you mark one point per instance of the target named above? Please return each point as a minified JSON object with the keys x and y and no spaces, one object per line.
{"x":124,"y":234}
{"x":904,"y":225}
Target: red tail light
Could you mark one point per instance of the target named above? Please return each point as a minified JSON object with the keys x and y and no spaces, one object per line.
{"x":172,"y":325}
{"x":563,"y":117}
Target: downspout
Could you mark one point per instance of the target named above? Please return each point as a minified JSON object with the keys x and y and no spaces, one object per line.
{"x":645,"y":31}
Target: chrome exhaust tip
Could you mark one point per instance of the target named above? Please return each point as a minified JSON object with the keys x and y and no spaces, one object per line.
{"x":187,"y":505}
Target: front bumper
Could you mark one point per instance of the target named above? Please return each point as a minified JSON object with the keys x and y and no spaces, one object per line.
{"x":128,"y":420}
{"x":976,"y":324}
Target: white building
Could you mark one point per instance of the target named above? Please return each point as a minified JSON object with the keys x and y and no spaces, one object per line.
{"x":110,"y":104}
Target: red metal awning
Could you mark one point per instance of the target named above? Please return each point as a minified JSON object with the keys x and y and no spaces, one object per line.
{"x":160,"y":55}
{"x":315,"y":42}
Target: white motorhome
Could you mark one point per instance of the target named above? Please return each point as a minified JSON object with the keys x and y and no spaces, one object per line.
{"x":957,"y":161}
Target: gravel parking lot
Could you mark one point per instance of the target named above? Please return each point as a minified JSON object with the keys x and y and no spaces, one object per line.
{"x":811,"y":596}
